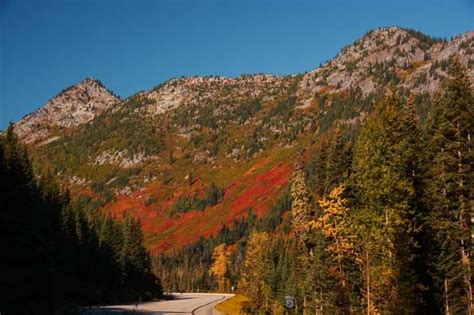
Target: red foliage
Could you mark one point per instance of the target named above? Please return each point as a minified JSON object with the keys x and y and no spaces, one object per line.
{"x":260,"y":190}
{"x":164,"y":234}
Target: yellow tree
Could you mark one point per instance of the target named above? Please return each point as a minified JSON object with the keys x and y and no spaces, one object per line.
{"x":257,"y":269}
{"x":302,"y":217}
{"x":301,"y":201}
{"x":219,"y":265}
{"x":301,"y":209}
{"x":336,"y":228}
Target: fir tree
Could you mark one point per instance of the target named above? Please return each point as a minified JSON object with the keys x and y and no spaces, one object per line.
{"x":451,"y":161}
{"x":384,"y":186}
{"x":56,"y":259}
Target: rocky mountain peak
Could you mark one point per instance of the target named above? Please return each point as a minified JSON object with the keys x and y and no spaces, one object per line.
{"x":73,"y":106}
{"x":383,"y":43}
{"x":389,"y":55}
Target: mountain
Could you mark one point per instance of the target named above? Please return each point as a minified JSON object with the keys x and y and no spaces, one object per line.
{"x":406,"y":58}
{"x":195,"y":154}
{"x":72,"y":107}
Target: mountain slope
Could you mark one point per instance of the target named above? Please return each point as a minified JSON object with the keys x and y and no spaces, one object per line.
{"x":158,"y":153}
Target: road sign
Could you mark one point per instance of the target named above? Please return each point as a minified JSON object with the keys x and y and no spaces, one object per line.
{"x":289,"y":302}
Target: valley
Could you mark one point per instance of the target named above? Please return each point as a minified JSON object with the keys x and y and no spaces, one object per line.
{"x":347,"y":188}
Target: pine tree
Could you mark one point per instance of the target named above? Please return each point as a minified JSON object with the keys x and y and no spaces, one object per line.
{"x":27,"y":283}
{"x":310,"y":260}
{"x":55,"y":257}
{"x":384,"y":186}
{"x":133,"y":256}
{"x":339,"y":158}
{"x":450,"y":184}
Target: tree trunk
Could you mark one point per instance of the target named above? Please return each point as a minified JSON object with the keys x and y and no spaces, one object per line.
{"x":466,"y":261}
{"x":367,"y":263}
{"x":321,"y":300}
{"x":304,"y":305}
{"x":467,"y":276}
{"x":446,"y":299}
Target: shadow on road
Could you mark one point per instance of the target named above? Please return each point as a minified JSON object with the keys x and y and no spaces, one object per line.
{"x":180,"y":298}
{"x":119,"y":310}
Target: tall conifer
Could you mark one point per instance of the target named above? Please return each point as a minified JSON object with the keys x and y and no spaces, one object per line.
{"x":449,"y":132}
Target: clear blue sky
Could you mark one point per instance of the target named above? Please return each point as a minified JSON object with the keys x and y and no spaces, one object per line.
{"x":133,"y":45}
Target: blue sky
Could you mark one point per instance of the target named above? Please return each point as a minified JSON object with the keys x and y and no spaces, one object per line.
{"x":46,"y":46}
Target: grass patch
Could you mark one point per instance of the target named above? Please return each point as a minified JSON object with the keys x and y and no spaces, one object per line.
{"x":239,"y":304}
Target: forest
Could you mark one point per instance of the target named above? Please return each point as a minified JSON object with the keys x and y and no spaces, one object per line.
{"x":57,"y":253}
{"x":377,"y":220}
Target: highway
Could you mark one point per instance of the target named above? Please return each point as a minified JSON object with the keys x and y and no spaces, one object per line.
{"x":186,"y":303}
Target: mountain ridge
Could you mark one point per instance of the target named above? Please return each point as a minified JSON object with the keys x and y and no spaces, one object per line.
{"x":157,"y":153}
{"x":396,"y":54}
{"x":410,"y":55}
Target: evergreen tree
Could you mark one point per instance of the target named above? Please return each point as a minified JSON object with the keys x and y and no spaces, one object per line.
{"x":26,"y":282}
{"x":451,"y":161}
{"x":55,"y":258}
{"x":339,"y":158}
{"x":384,"y":185}
{"x":133,"y":257}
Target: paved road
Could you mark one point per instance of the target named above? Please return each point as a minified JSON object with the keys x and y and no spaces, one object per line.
{"x":186,"y":303}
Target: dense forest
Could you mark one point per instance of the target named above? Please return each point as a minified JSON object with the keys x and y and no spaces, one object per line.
{"x":376,"y":220}
{"x":57,"y":254}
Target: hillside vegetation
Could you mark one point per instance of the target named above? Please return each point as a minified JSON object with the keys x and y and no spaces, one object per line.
{"x":348,"y":187}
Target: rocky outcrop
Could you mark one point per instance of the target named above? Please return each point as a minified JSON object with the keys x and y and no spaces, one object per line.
{"x":121,"y":158}
{"x":202,"y":90}
{"x":72,"y":107}
{"x":383,"y":56}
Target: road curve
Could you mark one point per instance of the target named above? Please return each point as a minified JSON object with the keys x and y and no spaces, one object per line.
{"x":186,"y":303}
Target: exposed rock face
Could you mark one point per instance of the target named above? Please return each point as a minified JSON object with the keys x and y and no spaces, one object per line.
{"x":72,"y":107}
{"x":121,"y":158}
{"x":201,"y":90}
{"x":407,"y":58}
